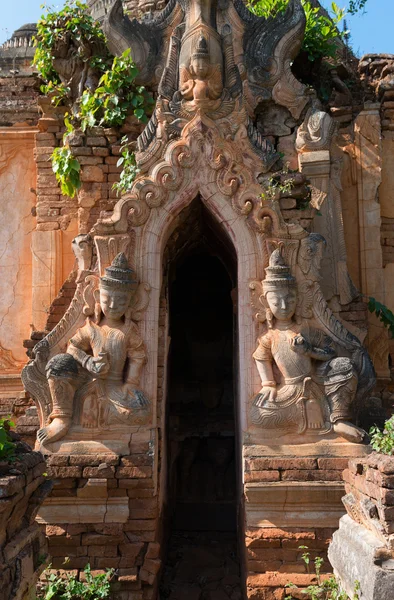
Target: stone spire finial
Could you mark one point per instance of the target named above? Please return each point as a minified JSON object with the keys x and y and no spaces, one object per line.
{"x":119,"y":275}
{"x":201,"y":50}
{"x":278,"y":273}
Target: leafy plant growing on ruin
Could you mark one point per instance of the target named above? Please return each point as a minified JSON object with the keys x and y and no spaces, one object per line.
{"x":94,"y":587}
{"x":130,"y":169}
{"x":324,"y":589}
{"x":72,"y":22}
{"x":356,"y":5}
{"x":7,"y":446}
{"x":383,"y":441}
{"x":114,"y":99}
{"x":321,"y":33}
{"x":383,"y":313}
{"x":65,"y":166}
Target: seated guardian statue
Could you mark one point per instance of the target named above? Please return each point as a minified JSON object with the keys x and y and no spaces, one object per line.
{"x":306,"y":387}
{"x":102,"y":365}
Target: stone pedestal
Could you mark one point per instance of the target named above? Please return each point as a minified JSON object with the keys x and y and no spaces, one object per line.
{"x":357,"y":555}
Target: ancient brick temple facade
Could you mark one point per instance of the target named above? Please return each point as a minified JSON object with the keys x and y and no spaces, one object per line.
{"x":201,"y":362}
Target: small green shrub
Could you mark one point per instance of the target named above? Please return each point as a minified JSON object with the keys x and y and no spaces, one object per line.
{"x":280,"y":183}
{"x":7,"y":446}
{"x":73,"y":22}
{"x":321,"y":33}
{"x":324,"y":589}
{"x":383,"y":441}
{"x":130,"y":169}
{"x":383,"y":313}
{"x":95,"y":587}
{"x":65,"y":166}
{"x":115,"y":97}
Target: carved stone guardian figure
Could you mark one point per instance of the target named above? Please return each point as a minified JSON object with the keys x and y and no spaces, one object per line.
{"x":306,"y":387}
{"x":94,"y":384}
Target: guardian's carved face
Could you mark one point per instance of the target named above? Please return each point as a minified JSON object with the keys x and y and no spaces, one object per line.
{"x":114,"y":303}
{"x":200,"y":67}
{"x":282,"y":303}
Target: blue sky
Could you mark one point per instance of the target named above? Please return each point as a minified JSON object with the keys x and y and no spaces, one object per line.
{"x":371,"y":32}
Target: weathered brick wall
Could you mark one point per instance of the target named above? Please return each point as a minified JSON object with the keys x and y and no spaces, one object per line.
{"x":131,"y":547}
{"x":23,"y":548}
{"x":372,"y":478}
{"x":273,"y":554}
{"x":387,"y":240}
{"x":19,"y":84}
{"x":355,"y":314}
{"x":274,"y":560}
{"x":18,"y":99}
{"x":98,"y":153}
{"x":294,"y":469}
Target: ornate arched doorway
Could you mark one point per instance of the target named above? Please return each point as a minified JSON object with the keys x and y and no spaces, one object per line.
{"x":202,"y":498}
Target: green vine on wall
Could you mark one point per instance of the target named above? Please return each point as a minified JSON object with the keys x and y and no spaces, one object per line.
{"x":115,"y":97}
{"x":129,"y":167}
{"x":383,"y":313}
{"x":57,"y":30}
{"x":321,"y":33}
{"x":7,"y":446}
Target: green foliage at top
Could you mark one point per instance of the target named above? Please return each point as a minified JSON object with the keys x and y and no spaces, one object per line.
{"x":324,"y":589}
{"x":73,"y":22}
{"x":383,"y":313}
{"x":356,"y":5}
{"x":321,"y":33}
{"x":95,"y":587}
{"x":7,"y":446}
{"x":383,"y":441}
{"x":267,"y":8}
{"x":115,"y":96}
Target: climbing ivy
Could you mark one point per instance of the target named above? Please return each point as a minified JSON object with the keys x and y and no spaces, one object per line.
{"x":321,"y":32}
{"x":115,"y":98}
{"x":7,"y":446}
{"x":129,"y":170}
{"x":72,"y":23}
{"x":67,"y":170}
{"x":383,"y":313}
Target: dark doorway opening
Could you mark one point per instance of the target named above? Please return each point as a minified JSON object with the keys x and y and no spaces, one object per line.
{"x":202,"y":562}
